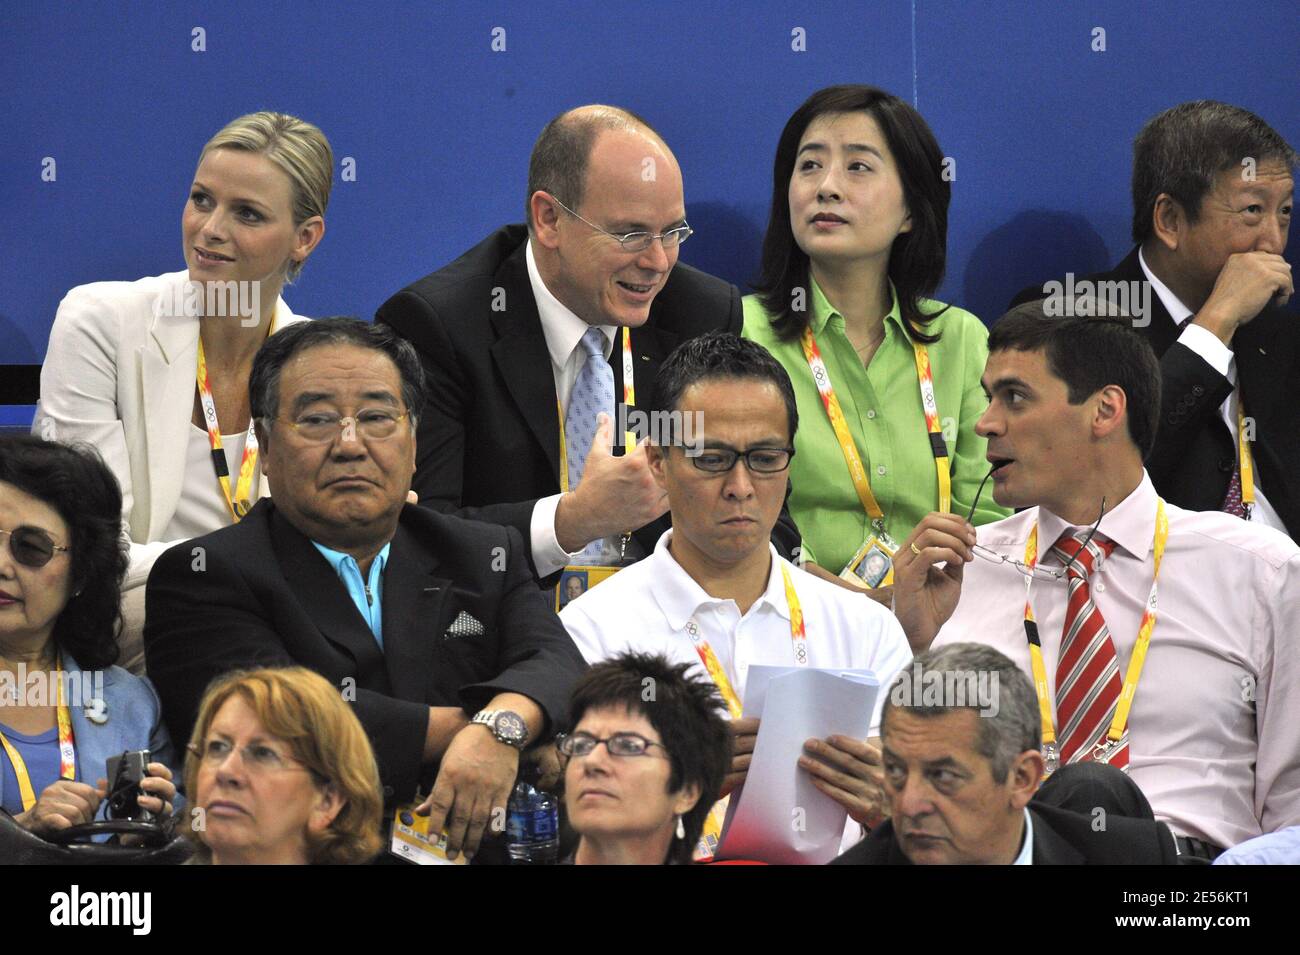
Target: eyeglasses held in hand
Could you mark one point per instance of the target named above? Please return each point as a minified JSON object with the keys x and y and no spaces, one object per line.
{"x":758,"y":460}
{"x":256,"y":757}
{"x":1038,"y":571}
{"x":32,"y":547}
{"x":321,"y":427}
{"x":620,"y":744}
{"x":638,"y":241}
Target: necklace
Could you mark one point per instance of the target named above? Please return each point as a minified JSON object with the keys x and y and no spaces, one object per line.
{"x":870,"y":347}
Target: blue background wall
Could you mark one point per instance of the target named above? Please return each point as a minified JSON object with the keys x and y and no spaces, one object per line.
{"x":440,"y":126}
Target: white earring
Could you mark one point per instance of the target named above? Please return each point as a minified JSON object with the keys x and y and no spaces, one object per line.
{"x":681,"y":829}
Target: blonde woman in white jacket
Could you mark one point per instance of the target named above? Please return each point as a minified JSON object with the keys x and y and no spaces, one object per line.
{"x":122,"y":369}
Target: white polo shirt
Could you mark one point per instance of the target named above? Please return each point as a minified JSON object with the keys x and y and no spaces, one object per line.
{"x":645,"y":608}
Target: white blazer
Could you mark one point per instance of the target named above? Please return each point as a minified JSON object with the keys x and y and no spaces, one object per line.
{"x":119,"y":375}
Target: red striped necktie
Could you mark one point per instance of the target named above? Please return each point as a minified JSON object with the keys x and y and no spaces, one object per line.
{"x":1087,"y":673}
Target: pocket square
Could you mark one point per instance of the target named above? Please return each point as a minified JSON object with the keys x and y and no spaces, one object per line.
{"x":465,"y":625}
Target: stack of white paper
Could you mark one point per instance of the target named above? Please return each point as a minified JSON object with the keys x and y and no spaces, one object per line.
{"x":779,"y":816}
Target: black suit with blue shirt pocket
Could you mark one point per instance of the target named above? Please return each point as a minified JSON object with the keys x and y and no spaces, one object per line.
{"x":463,"y":621}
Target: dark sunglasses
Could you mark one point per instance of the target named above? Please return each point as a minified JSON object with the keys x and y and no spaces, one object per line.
{"x":31,"y":546}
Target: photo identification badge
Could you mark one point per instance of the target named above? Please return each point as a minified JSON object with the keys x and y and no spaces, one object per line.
{"x":577,"y":580}
{"x":873,"y":564}
{"x":411,"y":840}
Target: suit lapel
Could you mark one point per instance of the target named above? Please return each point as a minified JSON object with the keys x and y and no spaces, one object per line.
{"x":95,"y":742}
{"x":1161,"y":331}
{"x":324,"y":599}
{"x":1262,"y":355}
{"x":413,"y":600}
{"x":167,"y":369}
{"x":1050,"y":848}
{"x":520,"y":355}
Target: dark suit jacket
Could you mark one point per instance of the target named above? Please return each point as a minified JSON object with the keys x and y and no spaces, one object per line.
{"x":1195,"y":453}
{"x":488,"y":442}
{"x":1061,"y":837}
{"x":258,"y":593}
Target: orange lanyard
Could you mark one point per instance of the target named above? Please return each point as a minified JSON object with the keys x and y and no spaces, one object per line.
{"x":711,"y":835}
{"x":798,"y":638}
{"x":67,"y":749}
{"x":858,"y":471}
{"x":240,"y":503}
{"x":629,"y":391}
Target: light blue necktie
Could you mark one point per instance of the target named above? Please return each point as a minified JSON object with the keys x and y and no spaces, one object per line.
{"x":593,"y":392}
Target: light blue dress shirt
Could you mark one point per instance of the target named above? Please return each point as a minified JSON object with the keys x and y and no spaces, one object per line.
{"x":367,"y":595}
{"x":1272,"y":848}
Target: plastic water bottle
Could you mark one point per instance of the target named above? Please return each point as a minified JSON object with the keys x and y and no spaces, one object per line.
{"x":532,"y":826}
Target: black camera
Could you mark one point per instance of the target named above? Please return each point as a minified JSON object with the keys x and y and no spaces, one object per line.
{"x":125,"y":773}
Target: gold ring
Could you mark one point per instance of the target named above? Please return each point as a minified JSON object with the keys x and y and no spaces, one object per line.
{"x":914,"y":550}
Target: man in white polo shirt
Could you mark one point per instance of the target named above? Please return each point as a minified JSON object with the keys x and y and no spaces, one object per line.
{"x":715,"y":592}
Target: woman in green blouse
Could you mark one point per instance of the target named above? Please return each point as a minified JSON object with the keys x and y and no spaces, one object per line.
{"x":855,"y":239}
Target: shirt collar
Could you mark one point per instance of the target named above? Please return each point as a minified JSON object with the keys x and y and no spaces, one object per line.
{"x":823,"y":310}
{"x":562,"y":328}
{"x":1179,"y":312}
{"x":680,"y":597}
{"x":1026,"y":856}
{"x":341,"y":561}
{"x":1131,"y":523}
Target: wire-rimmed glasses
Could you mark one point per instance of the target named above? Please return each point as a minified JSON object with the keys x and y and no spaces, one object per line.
{"x":1038,"y":571}
{"x":322,"y":427}
{"x":638,"y":241}
{"x":32,"y":547}
{"x":257,"y":757}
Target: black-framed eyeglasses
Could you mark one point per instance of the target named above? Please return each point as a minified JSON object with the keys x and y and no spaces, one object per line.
{"x":758,"y":460}
{"x":618,"y":744}
{"x":32,"y":547}
{"x":321,"y":427}
{"x":638,"y":241}
{"x":1038,"y":571}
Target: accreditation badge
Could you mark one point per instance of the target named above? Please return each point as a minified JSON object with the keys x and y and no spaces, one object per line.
{"x":577,"y":580}
{"x":711,"y":834}
{"x":873,"y":564}
{"x":412,"y":842}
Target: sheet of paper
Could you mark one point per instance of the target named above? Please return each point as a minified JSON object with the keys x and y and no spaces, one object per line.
{"x":779,"y":816}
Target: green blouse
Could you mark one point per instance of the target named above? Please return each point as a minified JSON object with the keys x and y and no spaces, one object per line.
{"x":882,"y":405}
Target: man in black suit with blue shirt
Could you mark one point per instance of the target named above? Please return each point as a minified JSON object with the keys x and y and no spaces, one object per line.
{"x":508,"y":331}
{"x":430,"y":624}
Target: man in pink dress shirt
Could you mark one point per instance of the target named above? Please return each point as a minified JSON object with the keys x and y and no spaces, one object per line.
{"x":1213,"y":734}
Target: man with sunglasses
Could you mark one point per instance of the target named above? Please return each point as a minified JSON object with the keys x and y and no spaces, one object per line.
{"x":715,"y":593}
{"x":530,"y":335}
{"x":1194,"y":691}
{"x":432,"y":626}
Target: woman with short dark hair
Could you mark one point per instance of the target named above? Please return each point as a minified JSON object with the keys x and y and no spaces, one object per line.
{"x":64,"y":708}
{"x":887,"y":380}
{"x":645,"y":761}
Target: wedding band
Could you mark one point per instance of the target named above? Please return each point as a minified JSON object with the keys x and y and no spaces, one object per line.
{"x":914,"y":550}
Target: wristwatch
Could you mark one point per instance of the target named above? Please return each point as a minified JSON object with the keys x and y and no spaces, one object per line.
{"x":506,"y":726}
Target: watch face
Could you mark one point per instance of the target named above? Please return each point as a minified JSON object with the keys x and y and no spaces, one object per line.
{"x":510,"y":726}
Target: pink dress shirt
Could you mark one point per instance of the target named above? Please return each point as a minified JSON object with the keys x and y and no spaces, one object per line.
{"x":1215,"y":724}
